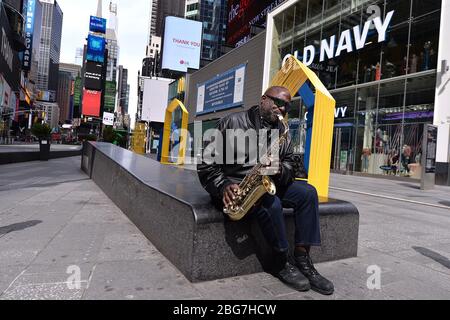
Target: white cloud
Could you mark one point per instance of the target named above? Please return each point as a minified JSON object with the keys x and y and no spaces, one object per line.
{"x":133,"y":18}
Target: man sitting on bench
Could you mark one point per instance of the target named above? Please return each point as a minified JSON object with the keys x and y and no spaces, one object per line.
{"x":222,"y":181}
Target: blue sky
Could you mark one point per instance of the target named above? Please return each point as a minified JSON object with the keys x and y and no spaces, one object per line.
{"x":133,"y":17}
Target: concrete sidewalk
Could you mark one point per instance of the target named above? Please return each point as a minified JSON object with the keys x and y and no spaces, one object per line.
{"x":35,"y":147}
{"x":55,"y":222}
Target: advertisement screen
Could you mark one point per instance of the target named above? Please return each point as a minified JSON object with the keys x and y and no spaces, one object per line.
{"x":156,"y":94}
{"x":110,"y":96}
{"x":108,"y":118}
{"x":91,"y":103}
{"x":29,"y":29}
{"x":182,"y":44}
{"x":242,"y":14}
{"x":97,"y":25}
{"x":223,"y":92}
{"x":96,"y":49}
{"x":93,"y":76}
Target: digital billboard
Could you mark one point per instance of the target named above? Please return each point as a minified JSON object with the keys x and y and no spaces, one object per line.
{"x":29,"y":29}
{"x":97,"y":25}
{"x":156,"y":95}
{"x":93,"y":76}
{"x":242,"y":14}
{"x":182,"y":44}
{"x":91,"y":103}
{"x":110,"y":96}
{"x":222,"y":92}
{"x":96,"y":49}
{"x":108,"y":118}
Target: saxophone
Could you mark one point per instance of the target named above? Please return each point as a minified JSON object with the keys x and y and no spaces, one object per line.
{"x":255,"y":185}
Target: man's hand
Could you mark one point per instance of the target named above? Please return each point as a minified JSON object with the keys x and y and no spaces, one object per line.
{"x":229,"y":194}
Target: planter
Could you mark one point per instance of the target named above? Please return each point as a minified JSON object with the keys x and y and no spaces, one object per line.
{"x":44,"y":149}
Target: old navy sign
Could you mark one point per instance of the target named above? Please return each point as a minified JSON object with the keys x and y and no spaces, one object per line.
{"x":29,"y":28}
{"x":328,"y":46}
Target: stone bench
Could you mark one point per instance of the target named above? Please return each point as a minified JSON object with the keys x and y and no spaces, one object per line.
{"x":170,"y":207}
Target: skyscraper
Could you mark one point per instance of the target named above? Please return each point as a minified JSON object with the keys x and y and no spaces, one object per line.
{"x":63,"y":95}
{"x":79,"y":53}
{"x":213,"y":14}
{"x":159,"y":10}
{"x":50,"y":45}
{"x":112,"y":44}
{"x":122,"y":89}
{"x":153,"y":15}
{"x":166,"y":8}
{"x":99,"y":8}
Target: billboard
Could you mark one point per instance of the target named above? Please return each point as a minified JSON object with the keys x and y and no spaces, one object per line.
{"x":155,"y":100}
{"x":182,"y":44}
{"x":91,"y":103}
{"x":97,"y":25}
{"x":93,"y":76}
{"x":242,"y":14}
{"x":29,"y":29}
{"x":223,"y":92}
{"x":108,"y":118}
{"x":110,"y":96}
{"x":9,"y":59}
{"x":96,"y":49}
{"x":46,"y":95}
{"x":77,"y":92}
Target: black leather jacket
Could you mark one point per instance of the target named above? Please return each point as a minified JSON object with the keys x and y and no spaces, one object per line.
{"x":215,"y":177}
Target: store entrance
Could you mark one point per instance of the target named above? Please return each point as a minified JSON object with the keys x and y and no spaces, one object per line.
{"x":342,"y":159}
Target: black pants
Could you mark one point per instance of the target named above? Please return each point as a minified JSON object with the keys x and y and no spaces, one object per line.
{"x":303,"y":198}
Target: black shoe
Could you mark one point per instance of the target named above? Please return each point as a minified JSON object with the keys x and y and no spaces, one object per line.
{"x":291,"y":276}
{"x":318,"y":283}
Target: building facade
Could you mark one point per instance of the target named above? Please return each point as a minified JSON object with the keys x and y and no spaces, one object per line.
{"x":166,"y":8}
{"x":50,"y":46}
{"x":63,"y":95}
{"x":379,"y":60}
{"x":213,"y":14}
{"x":112,"y":44}
{"x":152,"y":21}
{"x":79,"y":53}
{"x":123,"y":90}
{"x":73,"y":69}
{"x":252,"y":84}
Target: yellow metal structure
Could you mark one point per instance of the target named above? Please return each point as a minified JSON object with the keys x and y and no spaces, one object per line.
{"x":174,"y":105}
{"x":138,"y":139}
{"x":294,"y":75}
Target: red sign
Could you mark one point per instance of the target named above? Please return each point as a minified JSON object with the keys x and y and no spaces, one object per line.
{"x":242,"y":14}
{"x":91,"y":103}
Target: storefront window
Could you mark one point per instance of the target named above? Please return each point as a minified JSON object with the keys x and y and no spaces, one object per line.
{"x":382,"y":101}
{"x":424,"y":42}
{"x":328,"y":68}
{"x":300,"y":18}
{"x":389,"y":127}
{"x":395,"y":52}
{"x":344,"y":129}
{"x":402,"y":10}
{"x":347,"y":61}
{"x":422,"y":7}
{"x":364,"y":119}
{"x":314,"y":15}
